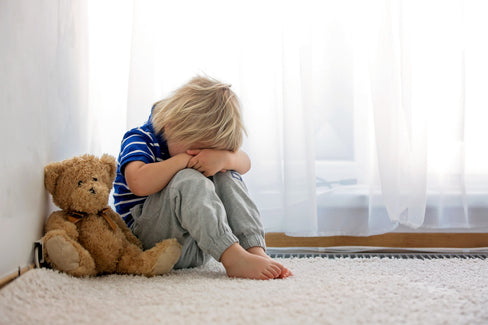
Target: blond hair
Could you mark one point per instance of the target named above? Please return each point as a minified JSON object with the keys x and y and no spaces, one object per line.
{"x":203,"y":111}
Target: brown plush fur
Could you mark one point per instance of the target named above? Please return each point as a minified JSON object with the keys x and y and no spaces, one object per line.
{"x":82,"y":185}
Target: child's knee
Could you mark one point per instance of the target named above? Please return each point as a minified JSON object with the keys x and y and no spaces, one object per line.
{"x":229,"y":178}
{"x":188,"y":176}
{"x":188,"y":173}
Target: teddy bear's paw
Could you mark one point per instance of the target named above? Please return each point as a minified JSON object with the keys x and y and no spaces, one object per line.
{"x":62,"y":253}
{"x":167,"y":260}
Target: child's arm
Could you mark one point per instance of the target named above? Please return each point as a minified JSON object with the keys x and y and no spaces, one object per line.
{"x":146,"y":179}
{"x":212,"y":161}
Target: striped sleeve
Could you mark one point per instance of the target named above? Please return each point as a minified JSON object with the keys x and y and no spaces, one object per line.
{"x":136,"y":146}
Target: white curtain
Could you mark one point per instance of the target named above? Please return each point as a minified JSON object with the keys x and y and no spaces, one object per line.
{"x":364,"y":117}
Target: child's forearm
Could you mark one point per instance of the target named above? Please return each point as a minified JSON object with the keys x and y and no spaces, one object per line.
{"x":211,"y":161}
{"x":146,"y":179}
{"x":239,"y":161}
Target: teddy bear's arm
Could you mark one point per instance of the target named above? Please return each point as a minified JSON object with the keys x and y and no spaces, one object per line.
{"x":123,"y":226}
{"x":58,"y":220}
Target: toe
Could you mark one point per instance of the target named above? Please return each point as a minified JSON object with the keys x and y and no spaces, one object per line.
{"x":266,"y":275}
{"x":276,"y":271}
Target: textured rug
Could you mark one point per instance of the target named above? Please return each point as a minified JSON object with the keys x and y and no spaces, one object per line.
{"x":322,"y":291}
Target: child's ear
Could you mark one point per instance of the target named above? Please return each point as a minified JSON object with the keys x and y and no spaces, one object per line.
{"x":109,"y":165}
{"x":51,"y":174}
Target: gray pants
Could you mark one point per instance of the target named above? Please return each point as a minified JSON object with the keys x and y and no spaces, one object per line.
{"x":205,"y":215}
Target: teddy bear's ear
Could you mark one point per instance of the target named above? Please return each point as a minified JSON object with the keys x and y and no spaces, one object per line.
{"x":51,"y":173}
{"x":110,"y":166}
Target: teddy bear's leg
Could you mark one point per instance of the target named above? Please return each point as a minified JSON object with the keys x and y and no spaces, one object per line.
{"x":67,"y":255}
{"x":158,"y":260}
{"x":165,"y":255}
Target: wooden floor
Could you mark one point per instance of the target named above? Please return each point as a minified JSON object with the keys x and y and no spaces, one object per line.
{"x":393,"y":240}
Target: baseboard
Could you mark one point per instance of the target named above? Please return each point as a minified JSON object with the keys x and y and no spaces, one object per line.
{"x":393,"y":240}
{"x":14,"y":275}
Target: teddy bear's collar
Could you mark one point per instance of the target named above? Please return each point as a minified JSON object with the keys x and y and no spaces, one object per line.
{"x":76,"y":216}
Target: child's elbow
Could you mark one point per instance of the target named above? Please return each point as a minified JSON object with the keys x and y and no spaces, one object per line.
{"x":136,"y":190}
{"x":247,"y":167}
{"x":137,"y":187}
{"x":246,"y":164}
{"x":134,"y":178}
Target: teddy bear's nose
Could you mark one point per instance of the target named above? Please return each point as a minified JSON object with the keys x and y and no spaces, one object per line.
{"x":92,"y":191}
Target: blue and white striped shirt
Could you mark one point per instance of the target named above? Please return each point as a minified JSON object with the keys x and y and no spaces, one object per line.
{"x":138,"y":144}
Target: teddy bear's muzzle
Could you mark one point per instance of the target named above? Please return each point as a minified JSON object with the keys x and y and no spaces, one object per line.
{"x":90,"y":198}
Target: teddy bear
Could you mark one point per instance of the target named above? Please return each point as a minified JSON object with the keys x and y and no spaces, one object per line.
{"x":86,"y":237}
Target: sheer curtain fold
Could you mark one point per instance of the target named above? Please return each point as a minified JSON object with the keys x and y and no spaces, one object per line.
{"x":363,"y":118}
{"x":298,"y":137}
{"x":142,"y":68}
{"x":400,"y":133}
{"x":419,"y":83}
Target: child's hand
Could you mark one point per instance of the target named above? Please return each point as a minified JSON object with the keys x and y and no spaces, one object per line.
{"x":208,"y":161}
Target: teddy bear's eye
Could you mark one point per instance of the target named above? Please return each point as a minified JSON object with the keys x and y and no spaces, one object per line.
{"x":95,"y":179}
{"x":79,"y":183}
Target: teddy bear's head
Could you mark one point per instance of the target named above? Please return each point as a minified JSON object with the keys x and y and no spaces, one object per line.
{"x":81,"y":183}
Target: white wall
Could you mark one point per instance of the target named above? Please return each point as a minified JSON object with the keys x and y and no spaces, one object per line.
{"x":43,"y":97}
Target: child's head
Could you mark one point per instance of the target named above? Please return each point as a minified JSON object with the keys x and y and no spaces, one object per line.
{"x":203,"y":111}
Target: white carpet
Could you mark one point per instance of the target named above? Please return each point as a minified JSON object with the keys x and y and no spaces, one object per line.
{"x":322,"y":291}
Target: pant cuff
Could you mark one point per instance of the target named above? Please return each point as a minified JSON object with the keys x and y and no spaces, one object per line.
{"x":220,"y":245}
{"x":252,"y":241}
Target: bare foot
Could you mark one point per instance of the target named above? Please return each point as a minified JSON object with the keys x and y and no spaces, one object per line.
{"x":241,"y":264}
{"x":257,"y":250}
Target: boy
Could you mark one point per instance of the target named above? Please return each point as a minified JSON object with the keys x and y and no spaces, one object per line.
{"x":178,"y":176}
